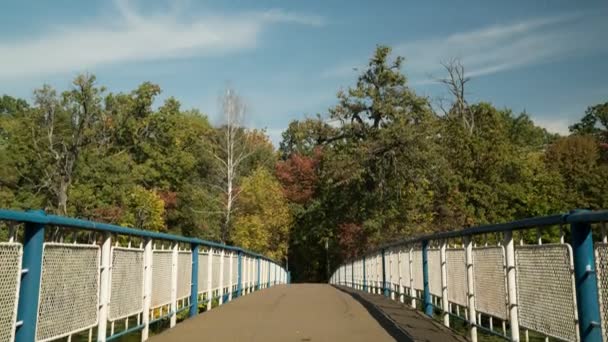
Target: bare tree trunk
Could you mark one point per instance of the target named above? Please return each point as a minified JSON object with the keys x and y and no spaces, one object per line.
{"x":62,"y":197}
{"x":456,"y":82}
{"x":233,"y":151}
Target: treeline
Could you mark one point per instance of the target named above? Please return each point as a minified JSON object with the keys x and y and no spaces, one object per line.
{"x":113,"y":157}
{"x":384,"y":163}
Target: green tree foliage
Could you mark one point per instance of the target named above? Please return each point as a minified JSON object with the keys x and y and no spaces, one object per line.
{"x":382,"y":164}
{"x":263,"y":219}
{"x":390,"y":167}
{"x":114,"y":158}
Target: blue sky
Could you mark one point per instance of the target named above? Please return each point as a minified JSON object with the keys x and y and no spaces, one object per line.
{"x":289,"y":58}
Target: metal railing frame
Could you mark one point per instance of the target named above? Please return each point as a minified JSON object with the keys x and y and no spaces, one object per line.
{"x":31,"y":268}
{"x":586,"y":287}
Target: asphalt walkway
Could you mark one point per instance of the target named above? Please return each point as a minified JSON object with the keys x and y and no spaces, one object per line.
{"x":309,"y":312}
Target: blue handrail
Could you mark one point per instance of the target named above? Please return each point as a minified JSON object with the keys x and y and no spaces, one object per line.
{"x":38,"y":217}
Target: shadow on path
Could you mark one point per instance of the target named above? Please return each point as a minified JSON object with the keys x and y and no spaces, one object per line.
{"x":402,"y":322}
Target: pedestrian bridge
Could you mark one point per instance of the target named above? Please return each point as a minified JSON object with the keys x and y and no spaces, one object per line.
{"x":536,"y":279}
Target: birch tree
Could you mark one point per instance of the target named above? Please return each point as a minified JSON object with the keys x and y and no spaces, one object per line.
{"x":230,"y":154}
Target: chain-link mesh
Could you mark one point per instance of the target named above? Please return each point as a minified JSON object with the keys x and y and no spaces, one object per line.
{"x":457,"y":276}
{"x":434,"y":267}
{"x":405,"y":267}
{"x":227,"y":260}
{"x":417,"y":269}
{"x":394,"y":267}
{"x":545,"y":295}
{"x":489,"y":275}
{"x":10,"y":276}
{"x":601,"y":264}
{"x":235,"y":269}
{"x":162,"y":263}
{"x":203,"y":270}
{"x":126,"y":289}
{"x":184,"y":274}
{"x":68,"y":290}
{"x":215,"y":271}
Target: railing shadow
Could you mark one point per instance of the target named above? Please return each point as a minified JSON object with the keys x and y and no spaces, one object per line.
{"x":395,"y":318}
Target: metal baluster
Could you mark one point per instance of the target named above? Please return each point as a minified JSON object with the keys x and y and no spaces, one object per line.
{"x":511,"y":285}
{"x":444,"y":284}
{"x":104,"y":288}
{"x":470,"y":288}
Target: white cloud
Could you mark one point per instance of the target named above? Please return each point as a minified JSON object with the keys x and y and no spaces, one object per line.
{"x":497,"y":48}
{"x":132,"y":36}
{"x":553,"y":125}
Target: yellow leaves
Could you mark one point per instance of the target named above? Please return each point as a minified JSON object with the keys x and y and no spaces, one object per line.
{"x":144,"y":209}
{"x":263,"y":218}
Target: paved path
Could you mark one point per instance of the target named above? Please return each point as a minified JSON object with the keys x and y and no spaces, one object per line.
{"x":307,"y":312}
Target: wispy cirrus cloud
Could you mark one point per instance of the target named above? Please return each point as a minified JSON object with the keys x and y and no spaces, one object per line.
{"x":132,"y":36}
{"x":497,"y":48}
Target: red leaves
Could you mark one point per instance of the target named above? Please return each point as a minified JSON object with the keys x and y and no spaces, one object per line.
{"x":169,"y":197}
{"x":352,"y":239}
{"x":298,"y":175}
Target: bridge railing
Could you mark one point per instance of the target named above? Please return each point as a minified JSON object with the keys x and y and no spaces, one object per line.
{"x":540,"y":277}
{"x":62,"y":278}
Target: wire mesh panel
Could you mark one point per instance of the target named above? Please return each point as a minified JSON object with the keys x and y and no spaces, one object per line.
{"x":162,"y":263}
{"x":203,"y":270}
{"x":394,"y":267}
{"x":227,"y":260}
{"x":601,"y":264}
{"x":126,"y":286}
{"x":489,"y":275}
{"x":457,"y":276}
{"x":184,"y":274}
{"x":235,"y":269}
{"x":215,"y":271}
{"x":405,"y":267}
{"x":545,"y":290}
{"x":68,"y":290}
{"x":10,"y":277}
{"x":417,"y":269}
{"x":434,"y":272}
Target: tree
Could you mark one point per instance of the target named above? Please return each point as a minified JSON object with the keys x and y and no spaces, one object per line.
{"x":456,"y":82}
{"x":229,"y":154}
{"x":263,"y":221}
{"x":595,"y":123}
{"x":62,"y":130}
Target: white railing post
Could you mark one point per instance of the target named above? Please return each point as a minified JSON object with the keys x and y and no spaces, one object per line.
{"x":411,"y":277}
{"x":230,"y":280}
{"x":209,"y":276}
{"x":391,"y":281}
{"x":511,"y":285}
{"x":104,"y":287}
{"x":174,"y":257}
{"x":147,"y":285}
{"x":444,"y":284}
{"x":245,"y":275}
{"x":221,"y":282}
{"x":470,"y":289}
{"x":399,"y":272}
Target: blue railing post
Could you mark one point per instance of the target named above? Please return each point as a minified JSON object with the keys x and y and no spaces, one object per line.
{"x":29,"y":293}
{"x":239,"y":274}
{"x":194,"y":288}
{"x":384,"y":288}
{"x":428,"y":306}
{"x":586,"y":282}
{"x":364,"y":276}
{"x":288,"y":277}
{"x":257,"y":284}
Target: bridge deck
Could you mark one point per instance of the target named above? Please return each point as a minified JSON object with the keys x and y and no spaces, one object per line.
{"x":309,"y":312}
